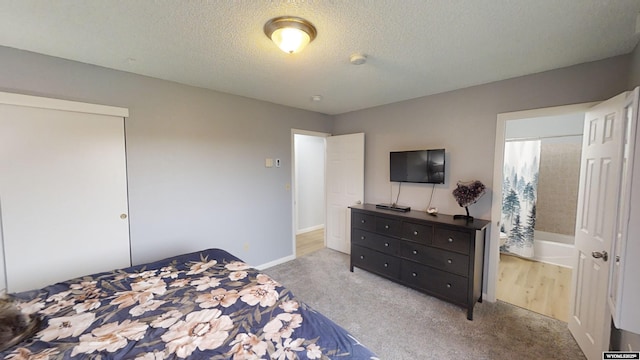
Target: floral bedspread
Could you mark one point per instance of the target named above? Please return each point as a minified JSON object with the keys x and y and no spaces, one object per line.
{"x":203,"y":305}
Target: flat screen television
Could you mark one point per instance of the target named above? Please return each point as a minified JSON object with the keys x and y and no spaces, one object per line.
{"x":417,"y":166}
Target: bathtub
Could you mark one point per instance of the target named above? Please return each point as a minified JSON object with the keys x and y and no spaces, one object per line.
{"x":556,"y":249}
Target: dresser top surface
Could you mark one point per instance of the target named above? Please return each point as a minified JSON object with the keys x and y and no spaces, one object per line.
{"x":476,"y":224}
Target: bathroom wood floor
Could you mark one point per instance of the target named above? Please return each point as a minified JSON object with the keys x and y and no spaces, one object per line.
{"x":536,"y":286}
{"x":308,"y":242}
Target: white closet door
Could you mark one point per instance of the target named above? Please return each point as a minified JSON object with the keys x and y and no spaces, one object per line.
{"x":63,"y":195}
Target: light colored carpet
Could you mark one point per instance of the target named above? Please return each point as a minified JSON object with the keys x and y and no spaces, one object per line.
{"x":399,"y":323}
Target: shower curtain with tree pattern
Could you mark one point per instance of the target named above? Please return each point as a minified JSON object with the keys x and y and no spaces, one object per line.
{"x":519,"y":193}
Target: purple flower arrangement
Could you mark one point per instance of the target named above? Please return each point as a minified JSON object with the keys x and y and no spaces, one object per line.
{"x":467,"y":193}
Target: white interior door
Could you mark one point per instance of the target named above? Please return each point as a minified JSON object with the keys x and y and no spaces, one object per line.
{"x":344,"y":187}
{"x":63,"y":195}
{"x":590,"y":317}
{"x":624,"y":289}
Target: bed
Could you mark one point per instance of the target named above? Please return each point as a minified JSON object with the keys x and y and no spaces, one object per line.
{"x":202,"y":305}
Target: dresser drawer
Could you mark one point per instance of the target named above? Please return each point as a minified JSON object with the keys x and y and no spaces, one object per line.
{"x":375,"y":241}
{"x":363,"y":221}
{"x":387,"y":226}
{"x":453,"y":240}
{"x":442,"y":284}
{"x":417,"y":232}
{"x":432,"y":254}
{"x":374,"y":261}
{"x":439,"y":259}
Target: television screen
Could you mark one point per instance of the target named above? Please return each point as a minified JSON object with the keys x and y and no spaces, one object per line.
{"x":417,"y":166}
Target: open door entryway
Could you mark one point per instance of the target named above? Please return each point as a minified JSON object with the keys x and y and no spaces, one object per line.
{"x":596,"y":215}
{"x":342,"y":177}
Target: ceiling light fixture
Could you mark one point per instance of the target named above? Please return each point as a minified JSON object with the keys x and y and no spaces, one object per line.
{"x":290,"y":33}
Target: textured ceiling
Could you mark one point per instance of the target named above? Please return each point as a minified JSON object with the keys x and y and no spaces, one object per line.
{"x":414,"y":47}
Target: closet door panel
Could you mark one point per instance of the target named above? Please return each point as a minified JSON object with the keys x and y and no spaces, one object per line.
{"x":63,"y":195}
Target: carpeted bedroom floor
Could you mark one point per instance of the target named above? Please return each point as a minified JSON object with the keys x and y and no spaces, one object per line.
{"x":399,"y":323}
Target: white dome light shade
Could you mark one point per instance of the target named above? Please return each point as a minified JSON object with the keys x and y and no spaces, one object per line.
{"x":290,"y":40}
{"x":291,"y":34}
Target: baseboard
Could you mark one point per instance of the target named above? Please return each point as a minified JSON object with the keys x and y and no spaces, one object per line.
{"x":275,"y":262}
{"x":309,"y":229}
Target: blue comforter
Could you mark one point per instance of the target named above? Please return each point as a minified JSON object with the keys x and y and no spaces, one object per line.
{"x":203,"y":305}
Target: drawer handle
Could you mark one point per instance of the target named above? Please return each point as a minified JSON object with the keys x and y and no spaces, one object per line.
{"x":415,"y":252}
{"x":363,"y":221}
{"x":450,"y":240}
{"x":362,"y":257}
{"x":386,"y":264}
{"x":449,"y":261}
{"x":414,"y":274}
{"x":386,"y":244}
{"x":448,"y":286}
{"x":386,"y":226}
{"x":415,"y":233}
{"x":362,"y":237}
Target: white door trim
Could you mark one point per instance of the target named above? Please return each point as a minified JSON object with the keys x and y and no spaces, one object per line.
{"x":496,"y":201}
{"x":64,"y":105}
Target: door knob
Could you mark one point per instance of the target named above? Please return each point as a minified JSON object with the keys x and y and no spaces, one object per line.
{"x":600,"y":255}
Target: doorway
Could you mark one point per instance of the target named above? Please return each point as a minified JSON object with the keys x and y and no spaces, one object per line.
{"x":537,"y":228}
{"x":309,"y":157}
{"x":558,"y":119}
{"x":343,"y":180}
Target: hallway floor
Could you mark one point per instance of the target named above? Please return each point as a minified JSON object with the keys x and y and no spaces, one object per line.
{"x":309,"y":242}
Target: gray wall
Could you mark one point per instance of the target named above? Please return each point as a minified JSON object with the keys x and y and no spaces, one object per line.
{"x":464,"y":122}
{"x":195,"y":158}
{"x":634,"y":73}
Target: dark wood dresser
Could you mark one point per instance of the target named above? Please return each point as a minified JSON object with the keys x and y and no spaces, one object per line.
{"x":434,"y":254}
